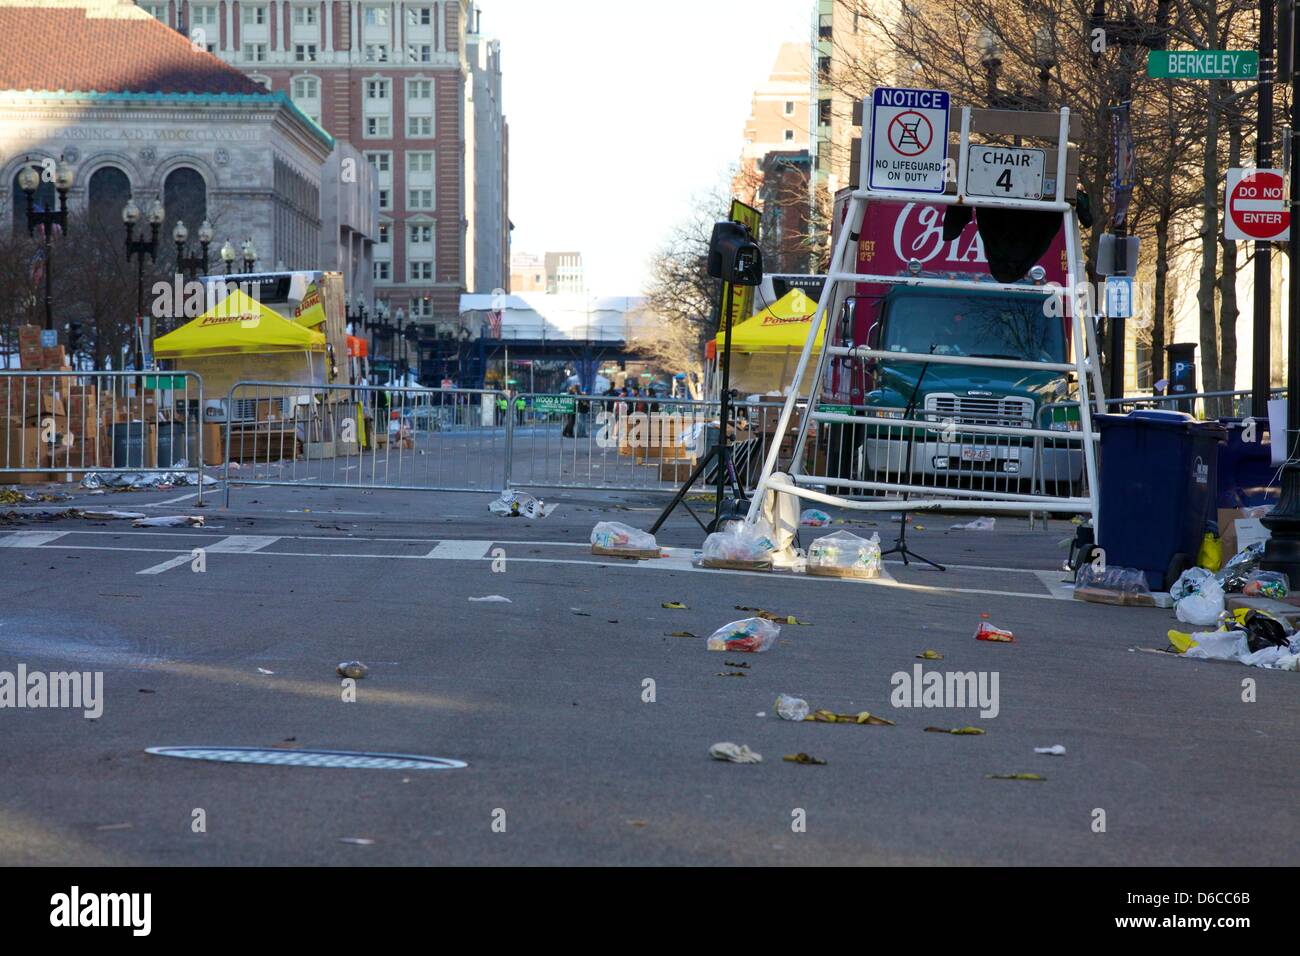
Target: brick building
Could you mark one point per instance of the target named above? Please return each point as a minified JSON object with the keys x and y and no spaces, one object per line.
{"x":415,"y":88}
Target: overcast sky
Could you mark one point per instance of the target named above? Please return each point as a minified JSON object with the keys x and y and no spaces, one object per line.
{"x":620,"y":110}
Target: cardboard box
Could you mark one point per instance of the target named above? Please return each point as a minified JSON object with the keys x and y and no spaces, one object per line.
{"x":54,"y":357}
{"x":20,"y":446}
{"x":214,"y":444}
{"x":29,"y":336}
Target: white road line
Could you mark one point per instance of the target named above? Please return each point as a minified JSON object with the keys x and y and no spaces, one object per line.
{"x":234,"y":544}
{"x":1052,"y":581}
{"x":460,"y":550}
{"x":170,"y":501}
{"x":30,"y":539}
{"x":167,"y":565}
{"x":242,"y":543}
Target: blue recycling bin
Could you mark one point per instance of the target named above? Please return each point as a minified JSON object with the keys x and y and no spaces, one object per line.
{"x":1247,"y":475}
{"x":1159,"y":480}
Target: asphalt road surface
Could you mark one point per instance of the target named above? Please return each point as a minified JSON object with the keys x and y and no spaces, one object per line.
{"x":545,"y":698}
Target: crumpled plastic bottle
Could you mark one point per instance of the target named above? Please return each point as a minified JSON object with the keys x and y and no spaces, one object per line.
{"x":791,"y":708}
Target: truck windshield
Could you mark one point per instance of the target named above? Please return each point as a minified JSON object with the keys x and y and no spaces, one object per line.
{"x":980,"y":326}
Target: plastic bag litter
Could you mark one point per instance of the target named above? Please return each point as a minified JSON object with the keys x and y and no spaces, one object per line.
{"x":791,"y":708}
{"x":1236,"y":571}
{"x":1271,"y":584}
{"x":845,"y":554}
{"x":1189,"y":582}
{"x":613,"y":537}
{"x":491,"y":599}
{"x":1112,"y":585}
{"x":139,"y":480}
{"x":752,"y":635}
{"x":814,"y":518}
{"x":998,"y":635}
{"x":520,"y":504}
{"x":979,"y":524}
{"x":734,"y":753}
{"x":1198,"y":597}
{"x":169,"y":521}
{"x":738,"y":545}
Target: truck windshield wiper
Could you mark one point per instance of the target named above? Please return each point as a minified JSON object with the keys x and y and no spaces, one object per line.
{"x":996,"y":355}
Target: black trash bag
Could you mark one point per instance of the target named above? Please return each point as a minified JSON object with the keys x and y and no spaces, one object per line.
{"x":1264,"y":630}
{"x":955,"y":219}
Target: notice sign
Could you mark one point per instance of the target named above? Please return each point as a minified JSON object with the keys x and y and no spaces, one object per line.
{"x":909,"y":140}
{"x":1256,"y":206}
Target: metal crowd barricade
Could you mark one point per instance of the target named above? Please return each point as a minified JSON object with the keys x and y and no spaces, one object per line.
{"x":366,"y":436}
{"x":1204,"y":405}
{"x":64,"y":425}
{"x":632,"y":443}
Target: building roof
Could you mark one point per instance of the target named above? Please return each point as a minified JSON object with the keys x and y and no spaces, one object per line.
{"x":104,"y":46}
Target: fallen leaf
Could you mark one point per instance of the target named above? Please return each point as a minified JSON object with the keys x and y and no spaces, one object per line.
{"x":683,"y":634}
{"x":673,"y":606}
{"x":1015,"y":776}
{"x":773,"y":616}
{"x":929,"y":656}
{"x":958,"y":731}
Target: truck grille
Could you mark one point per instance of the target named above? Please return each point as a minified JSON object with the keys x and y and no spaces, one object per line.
{"x":1012,"y":412}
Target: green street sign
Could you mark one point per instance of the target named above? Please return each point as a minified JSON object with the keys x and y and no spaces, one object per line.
{"x":836,"y":409}
{"x":560,"y":404}
{"x":1203,"y":64}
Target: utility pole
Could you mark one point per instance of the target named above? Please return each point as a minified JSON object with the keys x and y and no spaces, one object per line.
{"x":1282,"y":550}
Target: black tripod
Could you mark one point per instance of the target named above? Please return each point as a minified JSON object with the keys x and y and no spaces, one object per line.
{"x":900,"y":543}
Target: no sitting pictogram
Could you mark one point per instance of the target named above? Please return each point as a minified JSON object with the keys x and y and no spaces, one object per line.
{"x":910,"y":133}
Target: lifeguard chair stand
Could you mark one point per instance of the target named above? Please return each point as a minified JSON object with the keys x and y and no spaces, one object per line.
{"x":907,"y":493}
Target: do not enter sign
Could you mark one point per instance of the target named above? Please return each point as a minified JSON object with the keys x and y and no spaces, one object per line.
{"x":1256,"y":206}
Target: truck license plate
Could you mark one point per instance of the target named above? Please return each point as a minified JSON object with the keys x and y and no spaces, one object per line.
{"x":977,"y":454}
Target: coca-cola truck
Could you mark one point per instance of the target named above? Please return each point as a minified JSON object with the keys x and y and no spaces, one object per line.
{"x":906,"y":238}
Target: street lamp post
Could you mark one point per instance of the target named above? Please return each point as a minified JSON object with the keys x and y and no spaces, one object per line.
{"x":378,"y":327}
{"x":187,"y":264}
{"x":249,"y":253}
{"x":228,"y":255}
{"x":29,"y":180}
{"x":140,"y":248}
{"x":990,"y":47}
{"x":399,"y":345}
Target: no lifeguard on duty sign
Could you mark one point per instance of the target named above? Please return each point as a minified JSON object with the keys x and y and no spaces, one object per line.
{"x":909,"y":140}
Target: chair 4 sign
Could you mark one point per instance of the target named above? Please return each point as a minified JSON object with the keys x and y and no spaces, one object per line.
{"x":1009,"y":172}
{"x":1256,"y":206}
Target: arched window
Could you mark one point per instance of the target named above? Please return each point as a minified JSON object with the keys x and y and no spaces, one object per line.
{"x":108,"y":192}
{"x":45,"y":198}
{"x":185,"y":196}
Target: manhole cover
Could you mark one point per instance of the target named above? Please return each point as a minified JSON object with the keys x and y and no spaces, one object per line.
{"x":346,"y":759}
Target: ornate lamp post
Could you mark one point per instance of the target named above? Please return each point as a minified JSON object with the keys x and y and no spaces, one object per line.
{"x":187,"y":264}
{"x":228,"y":255}
{"x":249,"y":254}
{"x":29,"y":180}
{"x":140,"y":248}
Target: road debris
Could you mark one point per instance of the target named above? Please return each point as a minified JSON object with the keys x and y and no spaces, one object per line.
{"x":987,"y":632}
{"x":752,"y":635}
{"x":738,"y":547}
{"x":682,"y":634}
{"x":774,"y":616}
{"x":520,"y":504}
{"x":791,"y":708}
{"x":843,"y":554}
{"x":737,"y":664}
{"x":734,"y":753}
{"x":354,"y":669}
{"x":616,"y":540}
{"x":955,"y":731}
{"x":929,"y":656}
{"x":861,"y":717}
{"x":732,"y":674}
{"x":979,"y":524}
{"x":142,"y":480}
{"x":357,"y":841}
{"x":804,"y":758}
{"x":1015,"y":776}
{"x":814,"y":518}
{"x":169,"y":521}
{"x":673,"y":606}
{"x":1198,"y":597}
{"x":1056,"y":750}
{"x":263,"y":670}
{"x":491,"y":599}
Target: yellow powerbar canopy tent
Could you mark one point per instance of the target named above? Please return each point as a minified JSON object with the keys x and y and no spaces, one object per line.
{"x":765,"y":347}
{"x":781,"y":326}
{"x":236,"y":325}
